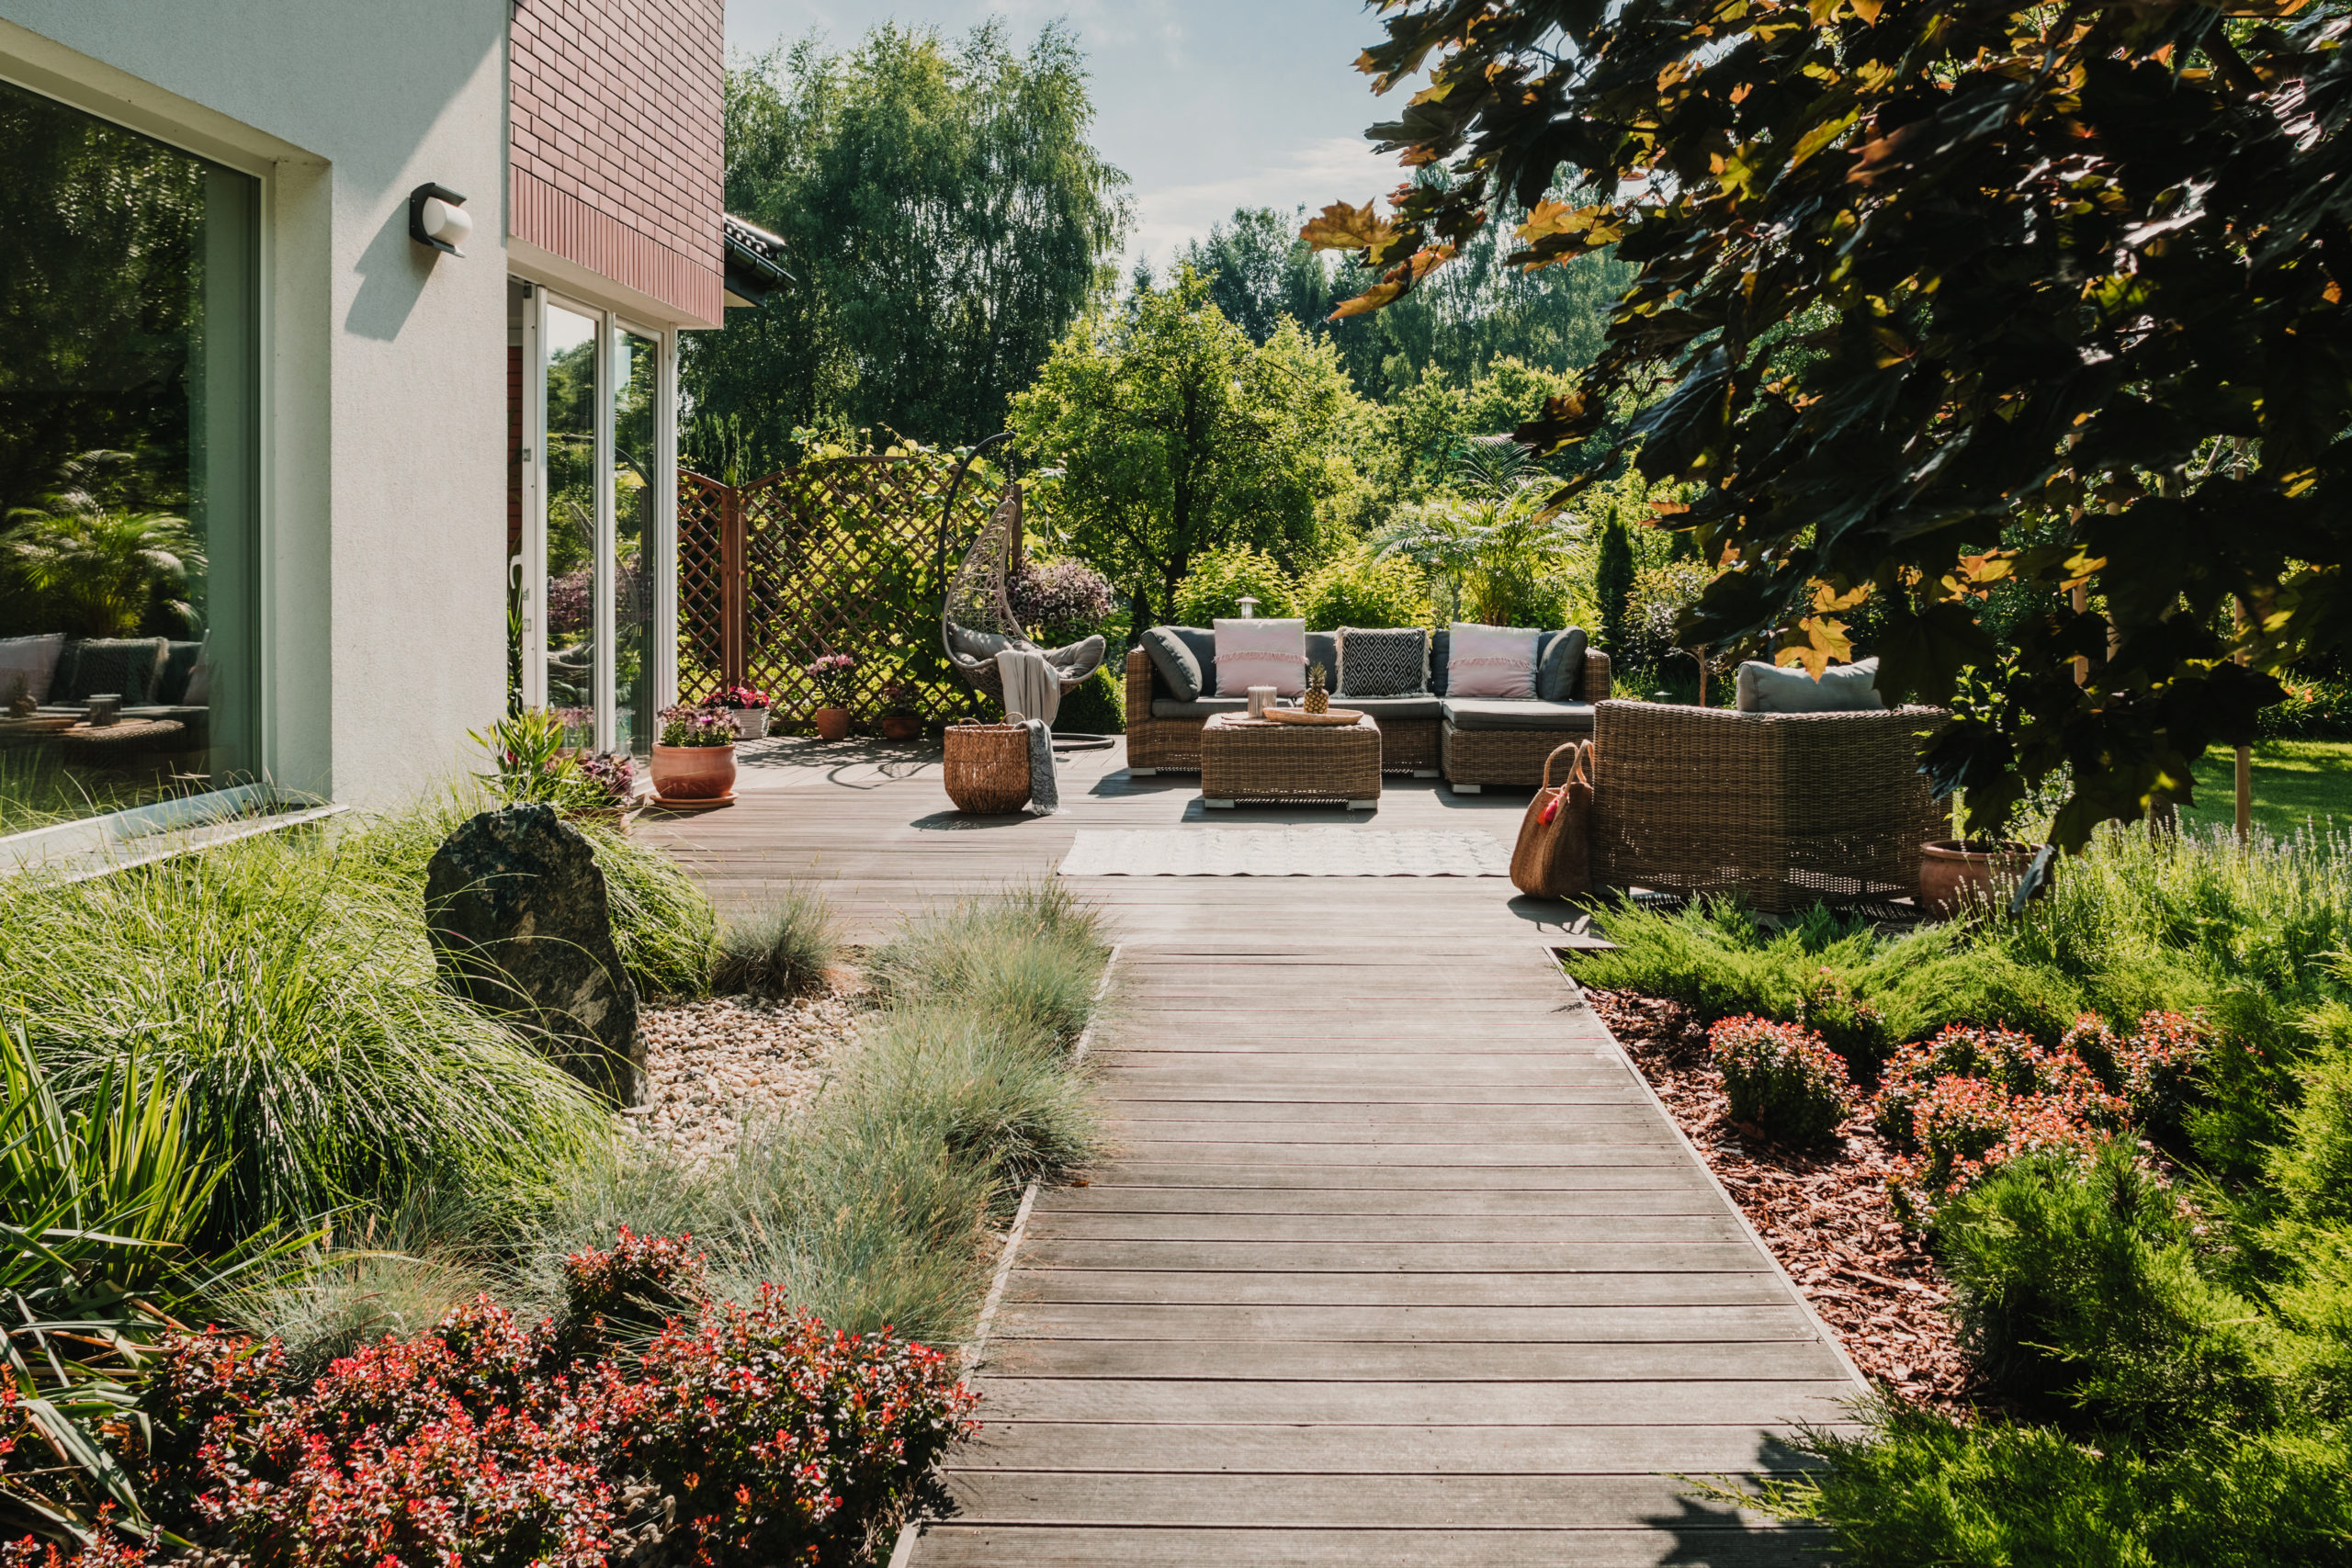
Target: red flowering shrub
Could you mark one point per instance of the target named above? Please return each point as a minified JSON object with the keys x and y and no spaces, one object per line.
{"x":1780,"y":1077}
{"x":2003,"y":1057}
{"x":1846,"y":1025}
{"x":2149,"y":1068}
{"x":1964,"y":1127}
{"x":738,"y":1437}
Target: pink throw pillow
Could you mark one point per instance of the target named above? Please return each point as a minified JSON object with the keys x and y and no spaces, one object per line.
{"x":1491,"y":662}
{"x":1261,"y":653}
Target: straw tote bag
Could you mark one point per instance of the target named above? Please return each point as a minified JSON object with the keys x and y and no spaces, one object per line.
{"x":1554,"y":856}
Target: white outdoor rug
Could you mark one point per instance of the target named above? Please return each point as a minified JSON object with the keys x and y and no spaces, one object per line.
{"x":1284,"y":851}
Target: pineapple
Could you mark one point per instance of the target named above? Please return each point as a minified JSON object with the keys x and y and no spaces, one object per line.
{"x":1319,"y":696}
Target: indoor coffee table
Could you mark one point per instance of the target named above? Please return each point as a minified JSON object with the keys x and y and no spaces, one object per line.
{"x":1258,"y":759}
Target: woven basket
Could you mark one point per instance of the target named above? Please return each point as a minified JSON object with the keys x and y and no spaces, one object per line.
{"x":988,"y":768}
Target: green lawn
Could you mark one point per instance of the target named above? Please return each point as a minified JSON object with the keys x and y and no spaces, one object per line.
{"x":2294,"y":781}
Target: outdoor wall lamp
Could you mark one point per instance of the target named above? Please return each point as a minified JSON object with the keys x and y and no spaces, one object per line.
{"x":438,"y":217}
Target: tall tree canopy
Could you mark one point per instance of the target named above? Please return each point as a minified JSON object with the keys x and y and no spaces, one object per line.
{"x":944,"y":218}
{"x":1259,"y":271}
{"x":1174,"y":434}
{"x":1953,"y":297}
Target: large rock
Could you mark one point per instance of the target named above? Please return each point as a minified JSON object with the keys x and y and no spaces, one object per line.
{"x":517,"y":911}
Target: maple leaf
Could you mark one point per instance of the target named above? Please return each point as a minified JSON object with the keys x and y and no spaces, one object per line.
{"x":1345,"y":228}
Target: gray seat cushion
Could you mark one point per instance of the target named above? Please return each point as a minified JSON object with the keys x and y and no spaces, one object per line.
{"x":1383,"y":709}
{"x":1170,"y":707}
{"x":977,"y":646}
{"x":1184,"y":658}
{"x":1515,"y":713}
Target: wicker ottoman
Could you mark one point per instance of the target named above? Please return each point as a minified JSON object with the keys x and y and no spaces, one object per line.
{"x":1256,"y":759}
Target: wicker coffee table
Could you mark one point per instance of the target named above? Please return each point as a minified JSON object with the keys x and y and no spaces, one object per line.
{"x":1256,"y":759}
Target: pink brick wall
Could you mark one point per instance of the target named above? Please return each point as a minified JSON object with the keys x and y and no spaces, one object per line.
{"x":617,"y":142}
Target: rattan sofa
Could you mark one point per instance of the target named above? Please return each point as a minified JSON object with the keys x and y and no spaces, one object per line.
{"x":1495,"y":742}
{"x":1783,"y":809}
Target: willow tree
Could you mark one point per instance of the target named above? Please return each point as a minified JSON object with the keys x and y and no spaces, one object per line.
{"x":1951,"y":299}
{"x":944,"y":218}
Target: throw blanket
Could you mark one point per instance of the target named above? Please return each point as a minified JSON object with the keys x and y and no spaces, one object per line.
{"x":1033,"y":694}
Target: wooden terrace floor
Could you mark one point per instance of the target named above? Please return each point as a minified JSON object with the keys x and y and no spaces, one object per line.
{"x":1397,"y":1261}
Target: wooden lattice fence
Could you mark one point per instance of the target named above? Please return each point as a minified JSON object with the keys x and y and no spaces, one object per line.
{"x":842,"y":555}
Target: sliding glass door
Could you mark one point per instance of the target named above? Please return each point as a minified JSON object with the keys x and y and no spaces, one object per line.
{"x":599,"y":522}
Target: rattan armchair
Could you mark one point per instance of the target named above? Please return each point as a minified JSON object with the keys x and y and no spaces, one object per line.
{"x":1783,"y":809}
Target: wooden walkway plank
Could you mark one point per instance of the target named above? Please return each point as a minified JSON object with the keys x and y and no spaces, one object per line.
{"x":1393,"y":1260}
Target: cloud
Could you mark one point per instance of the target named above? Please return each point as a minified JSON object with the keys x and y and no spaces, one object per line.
{"x":1334,"y":168}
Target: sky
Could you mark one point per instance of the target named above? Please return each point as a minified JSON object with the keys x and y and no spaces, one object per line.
{"x":1208,"y":105}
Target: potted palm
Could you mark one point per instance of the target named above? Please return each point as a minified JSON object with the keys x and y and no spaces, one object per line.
{"x":830,"y":674}
{"x":696,"y":759}
{"x":750,"y":707}
{"x":899,"y":719}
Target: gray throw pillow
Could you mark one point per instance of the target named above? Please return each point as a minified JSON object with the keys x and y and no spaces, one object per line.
{"x":1440,"y":649}
{"x":1383,"y":663}
{"x":979,"y":647}
{"x":1180,"y":669}
{"x":1323,"y":648}
{"x":128,"y":666}
{"x":1846,"y":688}
{"x":1559,"y":668}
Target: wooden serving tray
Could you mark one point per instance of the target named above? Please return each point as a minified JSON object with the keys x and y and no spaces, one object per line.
{"x":1300,"y":715}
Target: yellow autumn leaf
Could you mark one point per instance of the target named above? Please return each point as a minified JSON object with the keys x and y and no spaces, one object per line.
{"x":1828,"y":600}
{"x":1345,"y":228}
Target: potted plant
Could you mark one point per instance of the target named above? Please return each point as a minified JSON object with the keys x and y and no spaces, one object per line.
{"x":696,"y":759}
{"x":1971,"y":867}
{"x":750,"y":707}
{"x":830,"y":674}
{"x":604,"y":787}
{"x":899,"y":719}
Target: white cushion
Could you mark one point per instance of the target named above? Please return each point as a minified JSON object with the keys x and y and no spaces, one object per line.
{"x":1261,"y":653}
{"x":1491,"y":662}
{"x":30,"y":659}
{"x":1843,"y":688}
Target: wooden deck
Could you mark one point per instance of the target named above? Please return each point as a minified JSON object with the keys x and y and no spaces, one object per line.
{"x":1397,"y":1261}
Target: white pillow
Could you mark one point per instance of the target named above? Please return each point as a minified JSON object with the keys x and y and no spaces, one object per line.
{"x":1843,"y":688}
{"x":1261,"y":653}
{"x":199,"y":680}
{"x":31,"y":660}
{"x":1491,"y":662}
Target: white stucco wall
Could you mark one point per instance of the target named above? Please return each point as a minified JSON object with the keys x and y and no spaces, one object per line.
{"x":385,"y":375}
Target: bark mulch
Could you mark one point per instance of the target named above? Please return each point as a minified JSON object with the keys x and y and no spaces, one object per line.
{"x":1824,"y":1215}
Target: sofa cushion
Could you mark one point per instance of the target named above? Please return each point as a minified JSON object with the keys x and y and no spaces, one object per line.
{"x":1169,"y":708}
{"x":1394,"y":710}
{"x":1508,"y":713}
{"x":1559,"y":667}
{"x":977,"y":646}
{"x":179,"y":663}
{"x":1260,"y":652}
{"x":1184,"y":658}
{"x":1847,"y":688}
{"x":1382,"y":661}
{"x":1492,"y":661}
{"x":1440,"y":649}
{"x":127,"y":666}
{"x":1323,"y":648}
{"x":30,"y":662}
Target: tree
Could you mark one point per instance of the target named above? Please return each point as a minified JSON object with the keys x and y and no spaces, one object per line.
{"x":1259,"y":271}
{"x":1173,"y":435}
{"x":945,"y":219}
{"x":1612,"y":582}
{"x":1951,"y":297}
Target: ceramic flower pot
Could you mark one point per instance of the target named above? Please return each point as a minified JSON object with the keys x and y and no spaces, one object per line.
{"x":901,"y":726}
{"x":752,"y":723}
{"x":693,"y":772}
{"x":1952,"y":874}
{"x":832,"y":724}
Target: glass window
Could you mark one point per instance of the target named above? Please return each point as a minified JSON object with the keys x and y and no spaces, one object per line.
{"x":637,"y":362}
{"x":129,"y":466}
{"x":570,"y":348}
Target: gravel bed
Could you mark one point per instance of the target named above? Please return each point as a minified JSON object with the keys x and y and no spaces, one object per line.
{"x":716,"y":1067}
{"x":1824,"y":1216}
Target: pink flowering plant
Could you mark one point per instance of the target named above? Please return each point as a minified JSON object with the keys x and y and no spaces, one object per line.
{"x":1964,"y":1128}
{"x":738,"y":1437}
{"x":695,"y":725}
{"x":739,"y":697}
{"x":830,"y":674}
{"x":1780,"y":1077}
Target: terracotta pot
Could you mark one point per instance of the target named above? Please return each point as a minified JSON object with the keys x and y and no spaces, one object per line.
{"x":1978,"y":871}
{"x":901,"y":726}
{"x":832,"y":724}
{"x":751,"y":723}
{"x":693,"y":772}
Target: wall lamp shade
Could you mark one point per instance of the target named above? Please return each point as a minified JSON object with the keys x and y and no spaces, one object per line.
{"x":438,"y":217}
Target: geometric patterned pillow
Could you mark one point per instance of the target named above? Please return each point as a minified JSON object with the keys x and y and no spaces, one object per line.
{"x":1383,"y":663}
